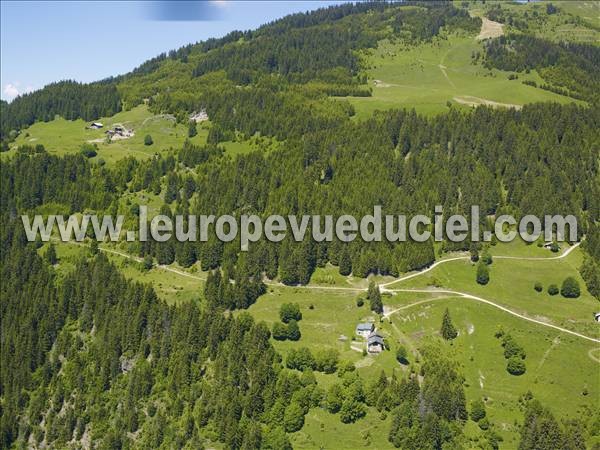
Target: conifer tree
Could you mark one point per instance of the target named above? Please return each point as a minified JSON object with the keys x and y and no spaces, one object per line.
{"x":51,"y":257}
{"x":448,"y":331}
{"x":192,"y":130}
{"x":374,"y":297}
{"x":483,"y":273}
{"x":345,"y":263}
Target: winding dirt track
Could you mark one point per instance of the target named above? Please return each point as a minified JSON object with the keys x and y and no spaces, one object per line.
{"x":406,"y":277}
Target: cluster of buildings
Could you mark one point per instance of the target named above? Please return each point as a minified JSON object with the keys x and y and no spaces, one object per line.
{"x":117,"y":132}
{"x":375,"y":342}
{"x":121,"y":132}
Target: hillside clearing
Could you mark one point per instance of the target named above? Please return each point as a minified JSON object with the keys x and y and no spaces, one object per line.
{"x":490,"y":29}
{"x":476,"y":101}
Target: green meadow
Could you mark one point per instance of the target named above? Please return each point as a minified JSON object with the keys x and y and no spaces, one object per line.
{"x":61,"y":136}
{"x":512,"y":285}
{"x":432,"y":77}
{"x":329,"y":316}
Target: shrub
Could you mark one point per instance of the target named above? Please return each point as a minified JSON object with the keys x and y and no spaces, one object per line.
{"x":487,"y":258}
{"x":148,"y":140}
{"x":88,"y":150}
{"x":293,"y":331}
{"x":290,"y":311}
{"x":570,"y":288}
{"x":538,"y":287}
{"x":483,"y":273}
{"x":401,"y":355}
{"x":515,"y":366}
{"x":147,"y":263}
{"x":484,"y":424}
{"x":553,"y":289}
{"x":360,"y":302}
{"x":477,"y":410}
{"x":300,"y":359}
{"x":280,"y":331}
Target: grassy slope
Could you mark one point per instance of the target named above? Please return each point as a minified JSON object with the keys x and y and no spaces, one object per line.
{"x":511,"y":285}
{"x":61,"y":136}
{"x":479,"y":353}
{"x":427,"y":76}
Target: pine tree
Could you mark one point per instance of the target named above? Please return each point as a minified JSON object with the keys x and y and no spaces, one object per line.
{"x":192,"y":131}
{"x":374,"y":297}
{"x":448,"y":331}
{"x":345,"y":263}
{"x":483,"y":273}
{"x":94,"y":250}
{"x":51,"y":257}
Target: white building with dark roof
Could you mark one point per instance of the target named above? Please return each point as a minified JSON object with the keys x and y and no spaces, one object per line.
{"x":375,"y":343}
{"x":365,"y":329}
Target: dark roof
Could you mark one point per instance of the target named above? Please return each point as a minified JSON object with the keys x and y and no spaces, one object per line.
{"x":364,"y":326}
{"x":375,"y":339}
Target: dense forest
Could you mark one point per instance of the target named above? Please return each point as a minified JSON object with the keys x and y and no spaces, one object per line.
{"x":103,"y":360}
{"x":68,"y":99}
{"x":568,"y":68}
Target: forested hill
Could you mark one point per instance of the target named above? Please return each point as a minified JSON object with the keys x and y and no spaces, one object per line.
{"x":90,"y":357}
{"x":317,"y":48}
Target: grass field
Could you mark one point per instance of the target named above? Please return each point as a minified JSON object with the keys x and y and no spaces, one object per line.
{"x":428,"y":76}
{"x":511,"y":285}
{"x":476,"y":349}
{"x":482,"y":362}
{"x":61,"y":136}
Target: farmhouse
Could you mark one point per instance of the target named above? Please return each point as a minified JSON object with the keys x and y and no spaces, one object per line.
{"x":96,"y":125}
{"x":597,"y":317}
{"x":364,"y":329}
{"x":119,"y":132}
{"x":375,"y":343}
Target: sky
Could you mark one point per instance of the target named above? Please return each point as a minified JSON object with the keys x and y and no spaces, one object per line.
{"x":46,"y":41}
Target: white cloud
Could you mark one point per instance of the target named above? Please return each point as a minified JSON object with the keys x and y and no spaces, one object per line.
{"x":12,"y":90}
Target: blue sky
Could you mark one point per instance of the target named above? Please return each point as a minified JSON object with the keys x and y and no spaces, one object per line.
{"x":49,"y":41}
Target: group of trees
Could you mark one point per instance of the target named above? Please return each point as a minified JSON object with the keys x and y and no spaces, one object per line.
{"x":569,"y":288}
{"x":571,"y":69}
{"x":590,"y":269}
{"x":314,"y":175}
{"x":288,"y":328}
{"x":513,"y":353}
{"x":302,"y":359}
{"x":541,"y":430}
{"x":426,"y":416}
